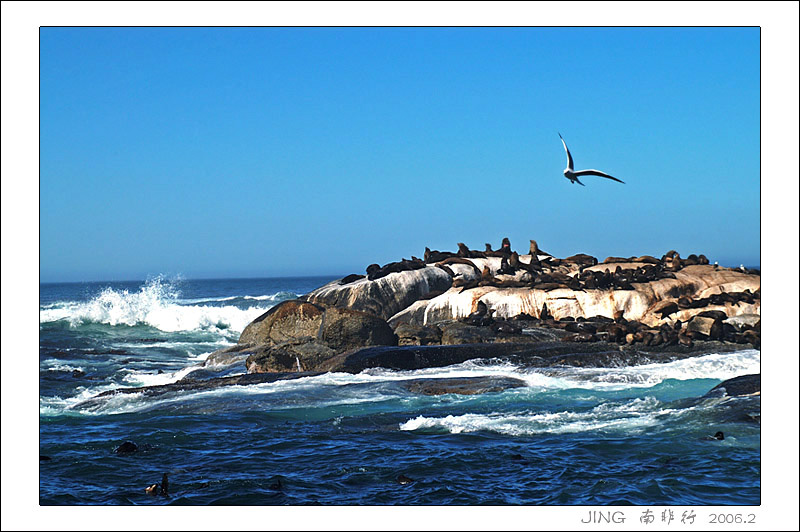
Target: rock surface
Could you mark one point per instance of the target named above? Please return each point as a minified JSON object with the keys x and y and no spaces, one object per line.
{"x":536,"y":354}
{"x":471,"y":298}
{"x":386,"y":296}
{"x":295,"y":355}
{"x":739,"y":386}
{"x":644,"y":303}
{"x":300,"y":333}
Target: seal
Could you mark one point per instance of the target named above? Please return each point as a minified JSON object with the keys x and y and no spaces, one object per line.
{"x":436,"y":256}
{"x":582,"y":259}
{"x":459,"y":260}
{"x":534,"y":249}
{"x":351,"y":278}
{"x":404,"y":480}
{"x":376,"y":272}
{"x":127,"y":448}
{"x":465,"y":252}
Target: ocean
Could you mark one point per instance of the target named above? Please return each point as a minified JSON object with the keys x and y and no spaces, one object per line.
{"x":573,"y":436}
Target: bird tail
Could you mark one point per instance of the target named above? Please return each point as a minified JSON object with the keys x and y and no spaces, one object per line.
{"x":579,"y":182}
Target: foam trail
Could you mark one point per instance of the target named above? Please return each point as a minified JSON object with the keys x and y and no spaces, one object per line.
{"x":631,"y":416}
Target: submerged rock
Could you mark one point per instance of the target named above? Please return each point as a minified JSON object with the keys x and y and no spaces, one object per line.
{"x":188,"y":384}
{"x":462,"y":386}
{"x":738,"y":386}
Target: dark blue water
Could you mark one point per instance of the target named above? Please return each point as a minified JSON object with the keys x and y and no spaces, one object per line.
{"x":572,"y":436}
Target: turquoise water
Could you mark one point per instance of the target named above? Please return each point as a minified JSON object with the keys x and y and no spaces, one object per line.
{"x":571,"y":436}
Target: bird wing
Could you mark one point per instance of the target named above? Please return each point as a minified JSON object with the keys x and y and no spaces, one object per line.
{"x":597,"y":173}
{"x":569,"y":157}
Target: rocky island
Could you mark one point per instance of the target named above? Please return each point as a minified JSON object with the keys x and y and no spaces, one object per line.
{"x":500,"y":303}
{"x":535,"y":310}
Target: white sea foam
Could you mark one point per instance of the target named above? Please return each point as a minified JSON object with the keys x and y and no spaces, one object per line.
{"x":631,"y":416}
{"x":155,"y":304}
{"x":712,"y":366}
{"x":55,"y":365}
{"x":136,"y":378}
{"x":331,"y":389}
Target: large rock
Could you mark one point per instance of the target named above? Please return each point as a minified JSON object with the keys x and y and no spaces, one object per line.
{"x":345,"y":329}
{"x":645,"y":303}
{"x":284,"y":322}
{"x":385,"y":296}
{"x":338,"y":328}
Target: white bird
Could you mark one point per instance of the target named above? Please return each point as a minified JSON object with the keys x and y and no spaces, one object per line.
{"x":572,"y":175}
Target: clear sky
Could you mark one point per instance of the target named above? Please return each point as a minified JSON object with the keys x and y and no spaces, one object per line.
{"x":236,"y":152}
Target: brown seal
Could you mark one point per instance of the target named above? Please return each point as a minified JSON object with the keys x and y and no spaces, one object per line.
{"x":459,"y":260}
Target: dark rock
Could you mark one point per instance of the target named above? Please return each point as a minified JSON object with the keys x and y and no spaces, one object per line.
{"x":457,"y":333}
{"x":506,"y":327}
{"x":417,"y":357}
{"x":534,"y":354}
{"x":403,"y":480}
{"x":737,"y":386}
{"x":463,"y":386}
{"x":43,"y":458}
{"x":408,"y":334}
{"x":78,"y":373}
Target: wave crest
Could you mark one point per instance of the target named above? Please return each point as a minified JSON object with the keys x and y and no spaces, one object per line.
{"x":155,"y":304}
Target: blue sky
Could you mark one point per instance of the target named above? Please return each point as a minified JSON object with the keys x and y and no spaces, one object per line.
{"x":301,"y":151}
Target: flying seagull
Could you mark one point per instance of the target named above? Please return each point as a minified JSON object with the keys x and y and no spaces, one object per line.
{"x":573,"y":176}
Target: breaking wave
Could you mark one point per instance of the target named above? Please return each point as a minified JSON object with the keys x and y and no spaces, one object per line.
{"x":156,"y":304}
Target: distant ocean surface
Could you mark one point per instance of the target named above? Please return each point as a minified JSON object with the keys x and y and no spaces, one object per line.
{"x":573,"y":436}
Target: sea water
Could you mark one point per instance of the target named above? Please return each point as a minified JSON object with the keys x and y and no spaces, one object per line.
{"x":571,"y":436}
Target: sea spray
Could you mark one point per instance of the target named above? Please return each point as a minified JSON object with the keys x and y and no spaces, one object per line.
{"x":156,"y":305}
